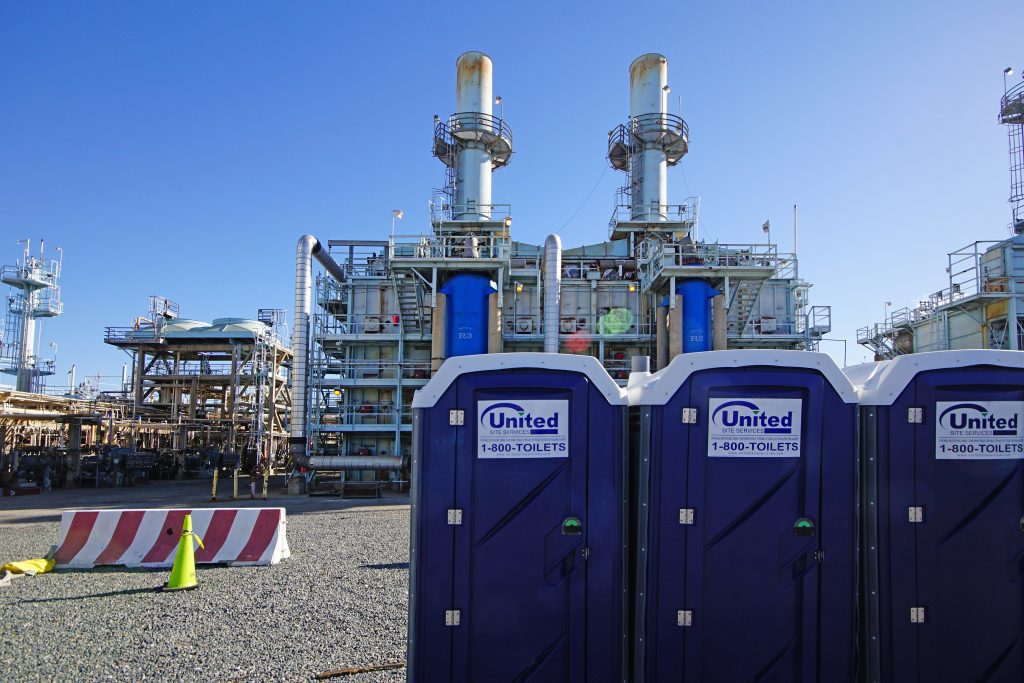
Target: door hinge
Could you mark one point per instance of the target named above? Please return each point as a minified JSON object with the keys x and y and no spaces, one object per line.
{"x":585,"y":552}
{"x":915,"y":416}
{"x":819,"y":555}
{"x":689,"y":416}
{"x":917,"y":615}
{"x":684,"y":617}
{"x":456,"y":418}
{"x":452,"y":617}
{"x":454,"y":517}
{"x":686,"y":516}
{"x":915,"y":514}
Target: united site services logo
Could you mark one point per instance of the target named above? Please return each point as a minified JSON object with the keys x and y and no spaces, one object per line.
{"x":746,"y":416}
{"x":978,"y":419}
{"x":512,"y":418}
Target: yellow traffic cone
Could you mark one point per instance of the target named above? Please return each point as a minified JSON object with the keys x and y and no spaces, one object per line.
{"x":183,"y":573}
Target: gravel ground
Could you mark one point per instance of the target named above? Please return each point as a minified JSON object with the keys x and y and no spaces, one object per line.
{"x":340,"y":600}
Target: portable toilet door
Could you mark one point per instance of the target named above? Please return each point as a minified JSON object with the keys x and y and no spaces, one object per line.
{"x":746,"y":554}
{"x":944,"y":534}
{"x":518,"y":522}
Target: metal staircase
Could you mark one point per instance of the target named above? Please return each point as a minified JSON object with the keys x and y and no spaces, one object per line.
{"x":745,"y":295}
{"x":410,"y":304}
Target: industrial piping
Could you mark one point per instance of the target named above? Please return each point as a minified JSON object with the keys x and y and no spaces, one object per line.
{"x":308,"y":248}
{"x":552,"y":291}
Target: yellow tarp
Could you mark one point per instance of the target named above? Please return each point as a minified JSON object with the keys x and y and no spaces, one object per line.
{"x":38,"y":566}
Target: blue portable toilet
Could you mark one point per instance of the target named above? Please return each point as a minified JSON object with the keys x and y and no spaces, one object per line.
{"x":518,"y":568}
{"x":746,"y":543}
{"x":943,"y":439}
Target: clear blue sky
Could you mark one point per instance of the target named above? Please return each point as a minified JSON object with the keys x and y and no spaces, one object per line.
{"x":181,"y":148}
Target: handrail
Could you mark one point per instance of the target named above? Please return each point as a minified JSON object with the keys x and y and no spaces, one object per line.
{"x":472,"y":121}
{"x":441,"y":212}
{"x":659,"y":122}
{"x":460,"y":246}
{"x":35,"y":271}
{"x":687,"y":212}
{"x":1011,"y":105}
{"x":359,"y":323}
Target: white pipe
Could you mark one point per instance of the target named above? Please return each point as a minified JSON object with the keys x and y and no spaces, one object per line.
{"x":325,"y":260}
{"x":300,"y":349}
{"x":552,"y":291}
{"x":308,"y":248}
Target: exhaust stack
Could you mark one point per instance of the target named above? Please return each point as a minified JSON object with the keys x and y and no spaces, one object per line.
{"x":473,"y":143}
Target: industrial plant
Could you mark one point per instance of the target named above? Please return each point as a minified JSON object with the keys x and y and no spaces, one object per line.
{"x":378,"y":317}
{"x":329,"y":400}
{"x":196,"y":398}
{"x":981,"y":305}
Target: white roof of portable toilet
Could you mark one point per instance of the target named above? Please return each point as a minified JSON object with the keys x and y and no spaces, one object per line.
{"x":659,"y":388}
{"x":453,"y":368}
{"x":881,"y":383}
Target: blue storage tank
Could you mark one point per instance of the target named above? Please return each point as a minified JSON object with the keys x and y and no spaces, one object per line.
{"x":746,"y":548}
{"x":943,"y":439}
{"x":518,"y":522}
{"x":466,"y":323}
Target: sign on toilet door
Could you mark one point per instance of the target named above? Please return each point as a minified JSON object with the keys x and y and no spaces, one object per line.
{"x":754,"y":427}
{"x":522,"y":429}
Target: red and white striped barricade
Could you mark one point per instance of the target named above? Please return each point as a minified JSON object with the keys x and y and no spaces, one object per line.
{"x":149,"y":538}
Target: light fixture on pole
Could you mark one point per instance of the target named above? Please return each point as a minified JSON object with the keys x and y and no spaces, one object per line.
{"x":885,"y":318}
{"x":501,"y":106}
{"x":1008,"y":71}
{"x":395,"y":214}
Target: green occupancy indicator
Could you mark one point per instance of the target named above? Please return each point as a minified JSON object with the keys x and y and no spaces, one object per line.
{"x":572,"y":526}
{"x":804,"y":527}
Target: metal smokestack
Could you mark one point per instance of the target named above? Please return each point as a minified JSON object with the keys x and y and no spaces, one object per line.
{"x":648,"y":97}
{"x":472,"y":143}
{"x":473,"y":98}
{"x":650,"y":142}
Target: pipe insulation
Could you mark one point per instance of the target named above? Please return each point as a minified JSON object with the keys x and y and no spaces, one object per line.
{"x":552,"y":291}
{"x":308,"y":248}
{"x":325,"y":260}
{"x":336,"y":463}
